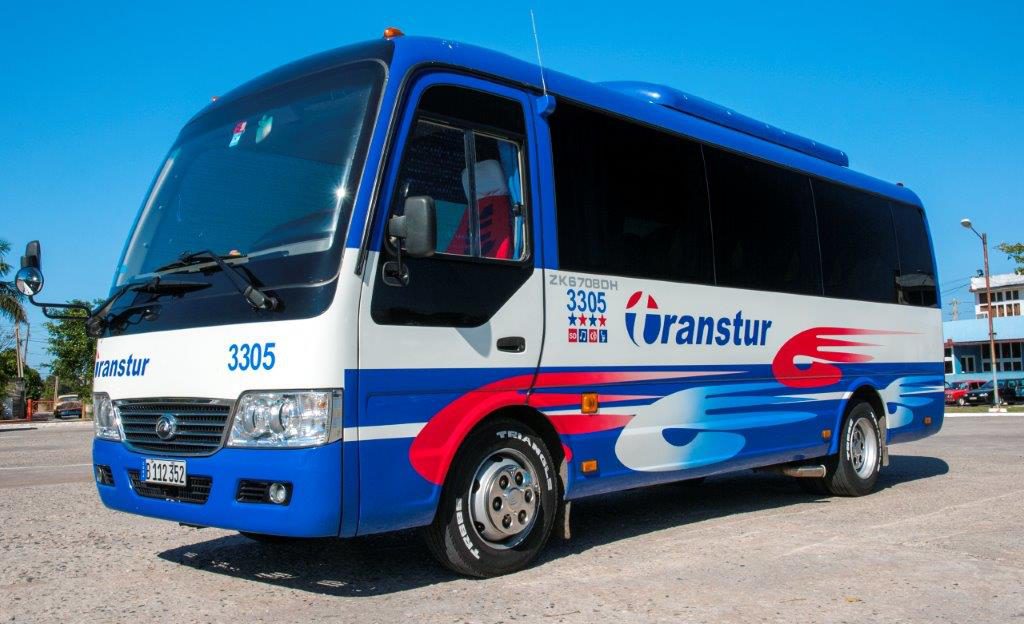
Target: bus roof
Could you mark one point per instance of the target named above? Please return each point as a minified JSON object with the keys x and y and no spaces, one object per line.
{"x":654,"y":105}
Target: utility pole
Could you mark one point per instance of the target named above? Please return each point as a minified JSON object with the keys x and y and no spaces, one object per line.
{"x":28,"y":334}
{"x":17,"y":350}
{"x":956,"y":309}
{"x":988,"y":308}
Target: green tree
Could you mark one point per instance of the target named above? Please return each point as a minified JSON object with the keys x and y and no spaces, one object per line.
{"x":73,"y":352}
{"x":48,"y":387}
{"x":9,"y":371}
{"x":1015,"y":252}
{"x":11,"y":306}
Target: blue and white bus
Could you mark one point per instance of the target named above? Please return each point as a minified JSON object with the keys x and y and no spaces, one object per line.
{"x":405,"y":284}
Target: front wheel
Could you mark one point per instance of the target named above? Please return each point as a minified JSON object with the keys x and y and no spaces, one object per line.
{"x":961,"y":402}
{"x":854,"y":471}
{"x":499,"y":502}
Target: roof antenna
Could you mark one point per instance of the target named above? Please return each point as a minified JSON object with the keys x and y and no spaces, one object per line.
{"x":536,"y":44}
{"x":546,"y":103}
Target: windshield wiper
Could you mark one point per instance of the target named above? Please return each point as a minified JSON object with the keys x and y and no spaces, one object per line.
{"x":99,"y":319}
{"x":241,"y":281}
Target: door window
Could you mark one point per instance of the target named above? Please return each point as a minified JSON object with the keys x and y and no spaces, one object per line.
{"x":473,"y":174}
{"x":465,"y":150}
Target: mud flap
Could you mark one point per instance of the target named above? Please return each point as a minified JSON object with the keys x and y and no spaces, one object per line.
{"x":884,"y":440}
{"x":564,"y":507}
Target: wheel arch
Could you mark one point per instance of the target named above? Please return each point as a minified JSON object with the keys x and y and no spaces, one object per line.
{"x":533,"y":419}
{"x":862,"y":390}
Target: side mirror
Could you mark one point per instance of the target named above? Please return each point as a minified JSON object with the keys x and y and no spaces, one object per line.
{"x":416,"y":229}
{"x":33,"y":256}
{"x":29,"y":280}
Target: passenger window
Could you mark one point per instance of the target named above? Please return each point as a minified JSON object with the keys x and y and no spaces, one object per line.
{"x":858,"y":244}
{"x":917,"y":272}
{"x":632,"y":200}
{"x":765,"y":232}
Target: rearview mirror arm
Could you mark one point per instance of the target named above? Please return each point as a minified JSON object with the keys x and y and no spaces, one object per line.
{"x":62,"y":306}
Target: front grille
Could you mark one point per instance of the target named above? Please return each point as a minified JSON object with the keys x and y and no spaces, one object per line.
{"x":196,"y":491}
{"x":200,"y":429}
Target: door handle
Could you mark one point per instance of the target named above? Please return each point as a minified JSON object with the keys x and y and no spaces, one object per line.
{"x":512,"y":344}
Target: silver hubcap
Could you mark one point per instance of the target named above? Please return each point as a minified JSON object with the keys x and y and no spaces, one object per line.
{"x":504,"y":498}
{"x":863,"y":448}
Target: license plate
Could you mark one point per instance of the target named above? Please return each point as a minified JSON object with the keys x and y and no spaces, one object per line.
{"x":165,"y":472}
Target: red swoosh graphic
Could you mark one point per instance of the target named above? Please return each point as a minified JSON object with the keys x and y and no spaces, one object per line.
{"x":823,"y":370}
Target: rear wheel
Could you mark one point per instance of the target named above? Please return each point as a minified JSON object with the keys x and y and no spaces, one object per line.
{"x":499,"y":502}
{"x":854,"y":471}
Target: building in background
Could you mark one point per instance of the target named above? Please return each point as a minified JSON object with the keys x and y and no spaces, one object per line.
{"x":967,"y":347}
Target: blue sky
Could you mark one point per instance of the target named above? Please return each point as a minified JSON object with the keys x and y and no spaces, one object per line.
{"x":930,"y":94}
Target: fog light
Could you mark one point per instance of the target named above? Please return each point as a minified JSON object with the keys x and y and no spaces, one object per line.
{"x":278,"y":493}
{"x":104,"y":475}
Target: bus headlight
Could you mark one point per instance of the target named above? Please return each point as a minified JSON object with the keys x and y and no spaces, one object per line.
{"x":106,"y":419}
{"x":288,"y":418}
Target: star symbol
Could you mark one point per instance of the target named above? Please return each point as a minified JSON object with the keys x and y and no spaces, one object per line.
{"x":583,"y":319}
{"x":593,"y":320}
{"x":602,"y":319}
{"x":572,"y":320}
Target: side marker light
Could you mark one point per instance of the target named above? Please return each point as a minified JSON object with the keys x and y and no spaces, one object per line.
{"x":588,"y":403}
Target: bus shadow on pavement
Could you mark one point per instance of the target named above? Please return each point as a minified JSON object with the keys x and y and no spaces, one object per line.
{"x":363,"y":566}
{"x":383,"y":564}
{"x":604,"y":519}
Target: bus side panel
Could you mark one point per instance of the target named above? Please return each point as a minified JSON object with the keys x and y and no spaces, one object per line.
{"x":402,"y":462}
{"x":695,"y":380}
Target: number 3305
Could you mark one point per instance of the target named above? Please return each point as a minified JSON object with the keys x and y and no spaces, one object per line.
{"x":252,"y":356}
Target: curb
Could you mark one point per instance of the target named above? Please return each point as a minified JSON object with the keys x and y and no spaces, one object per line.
{"x":23,"y":425}
{"x":987,"y":415}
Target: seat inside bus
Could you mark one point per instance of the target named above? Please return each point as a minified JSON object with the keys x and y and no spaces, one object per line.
{"x":494,"y":205}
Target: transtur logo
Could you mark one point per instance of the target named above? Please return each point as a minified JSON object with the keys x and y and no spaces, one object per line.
{"x":124,"y":367}
{"x":688,"y":329}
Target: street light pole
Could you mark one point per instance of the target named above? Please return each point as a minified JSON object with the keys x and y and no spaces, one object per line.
{"x":988,"y":304}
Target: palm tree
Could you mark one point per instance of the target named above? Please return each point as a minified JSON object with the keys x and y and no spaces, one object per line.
{"x":10,"y":298}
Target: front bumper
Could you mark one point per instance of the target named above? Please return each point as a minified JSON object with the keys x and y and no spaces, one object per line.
{"x":313,"y":511}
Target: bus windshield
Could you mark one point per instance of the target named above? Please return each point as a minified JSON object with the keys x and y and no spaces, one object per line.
{"x":264,"y":176}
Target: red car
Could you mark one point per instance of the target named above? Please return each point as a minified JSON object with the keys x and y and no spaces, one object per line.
{"x":957,"y":390}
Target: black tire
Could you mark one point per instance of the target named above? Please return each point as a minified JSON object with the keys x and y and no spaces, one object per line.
{"x":456,"y":537}
{"x":846,"y":476}
{"x":961,"y":402}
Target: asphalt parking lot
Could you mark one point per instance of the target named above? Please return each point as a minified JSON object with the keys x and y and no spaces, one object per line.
{"x":942,"y":540}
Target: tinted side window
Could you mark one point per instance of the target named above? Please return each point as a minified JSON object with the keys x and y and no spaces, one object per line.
{"x":917,"y":273}
{"x":858,"y":244}
{"x":631,"y":200}
{"x":765,"y":232}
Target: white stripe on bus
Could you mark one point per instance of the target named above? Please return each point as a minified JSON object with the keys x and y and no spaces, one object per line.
{"x":384,"y":432}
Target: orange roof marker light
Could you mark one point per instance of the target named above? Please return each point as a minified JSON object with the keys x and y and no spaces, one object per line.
{"x":391,"y":32}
